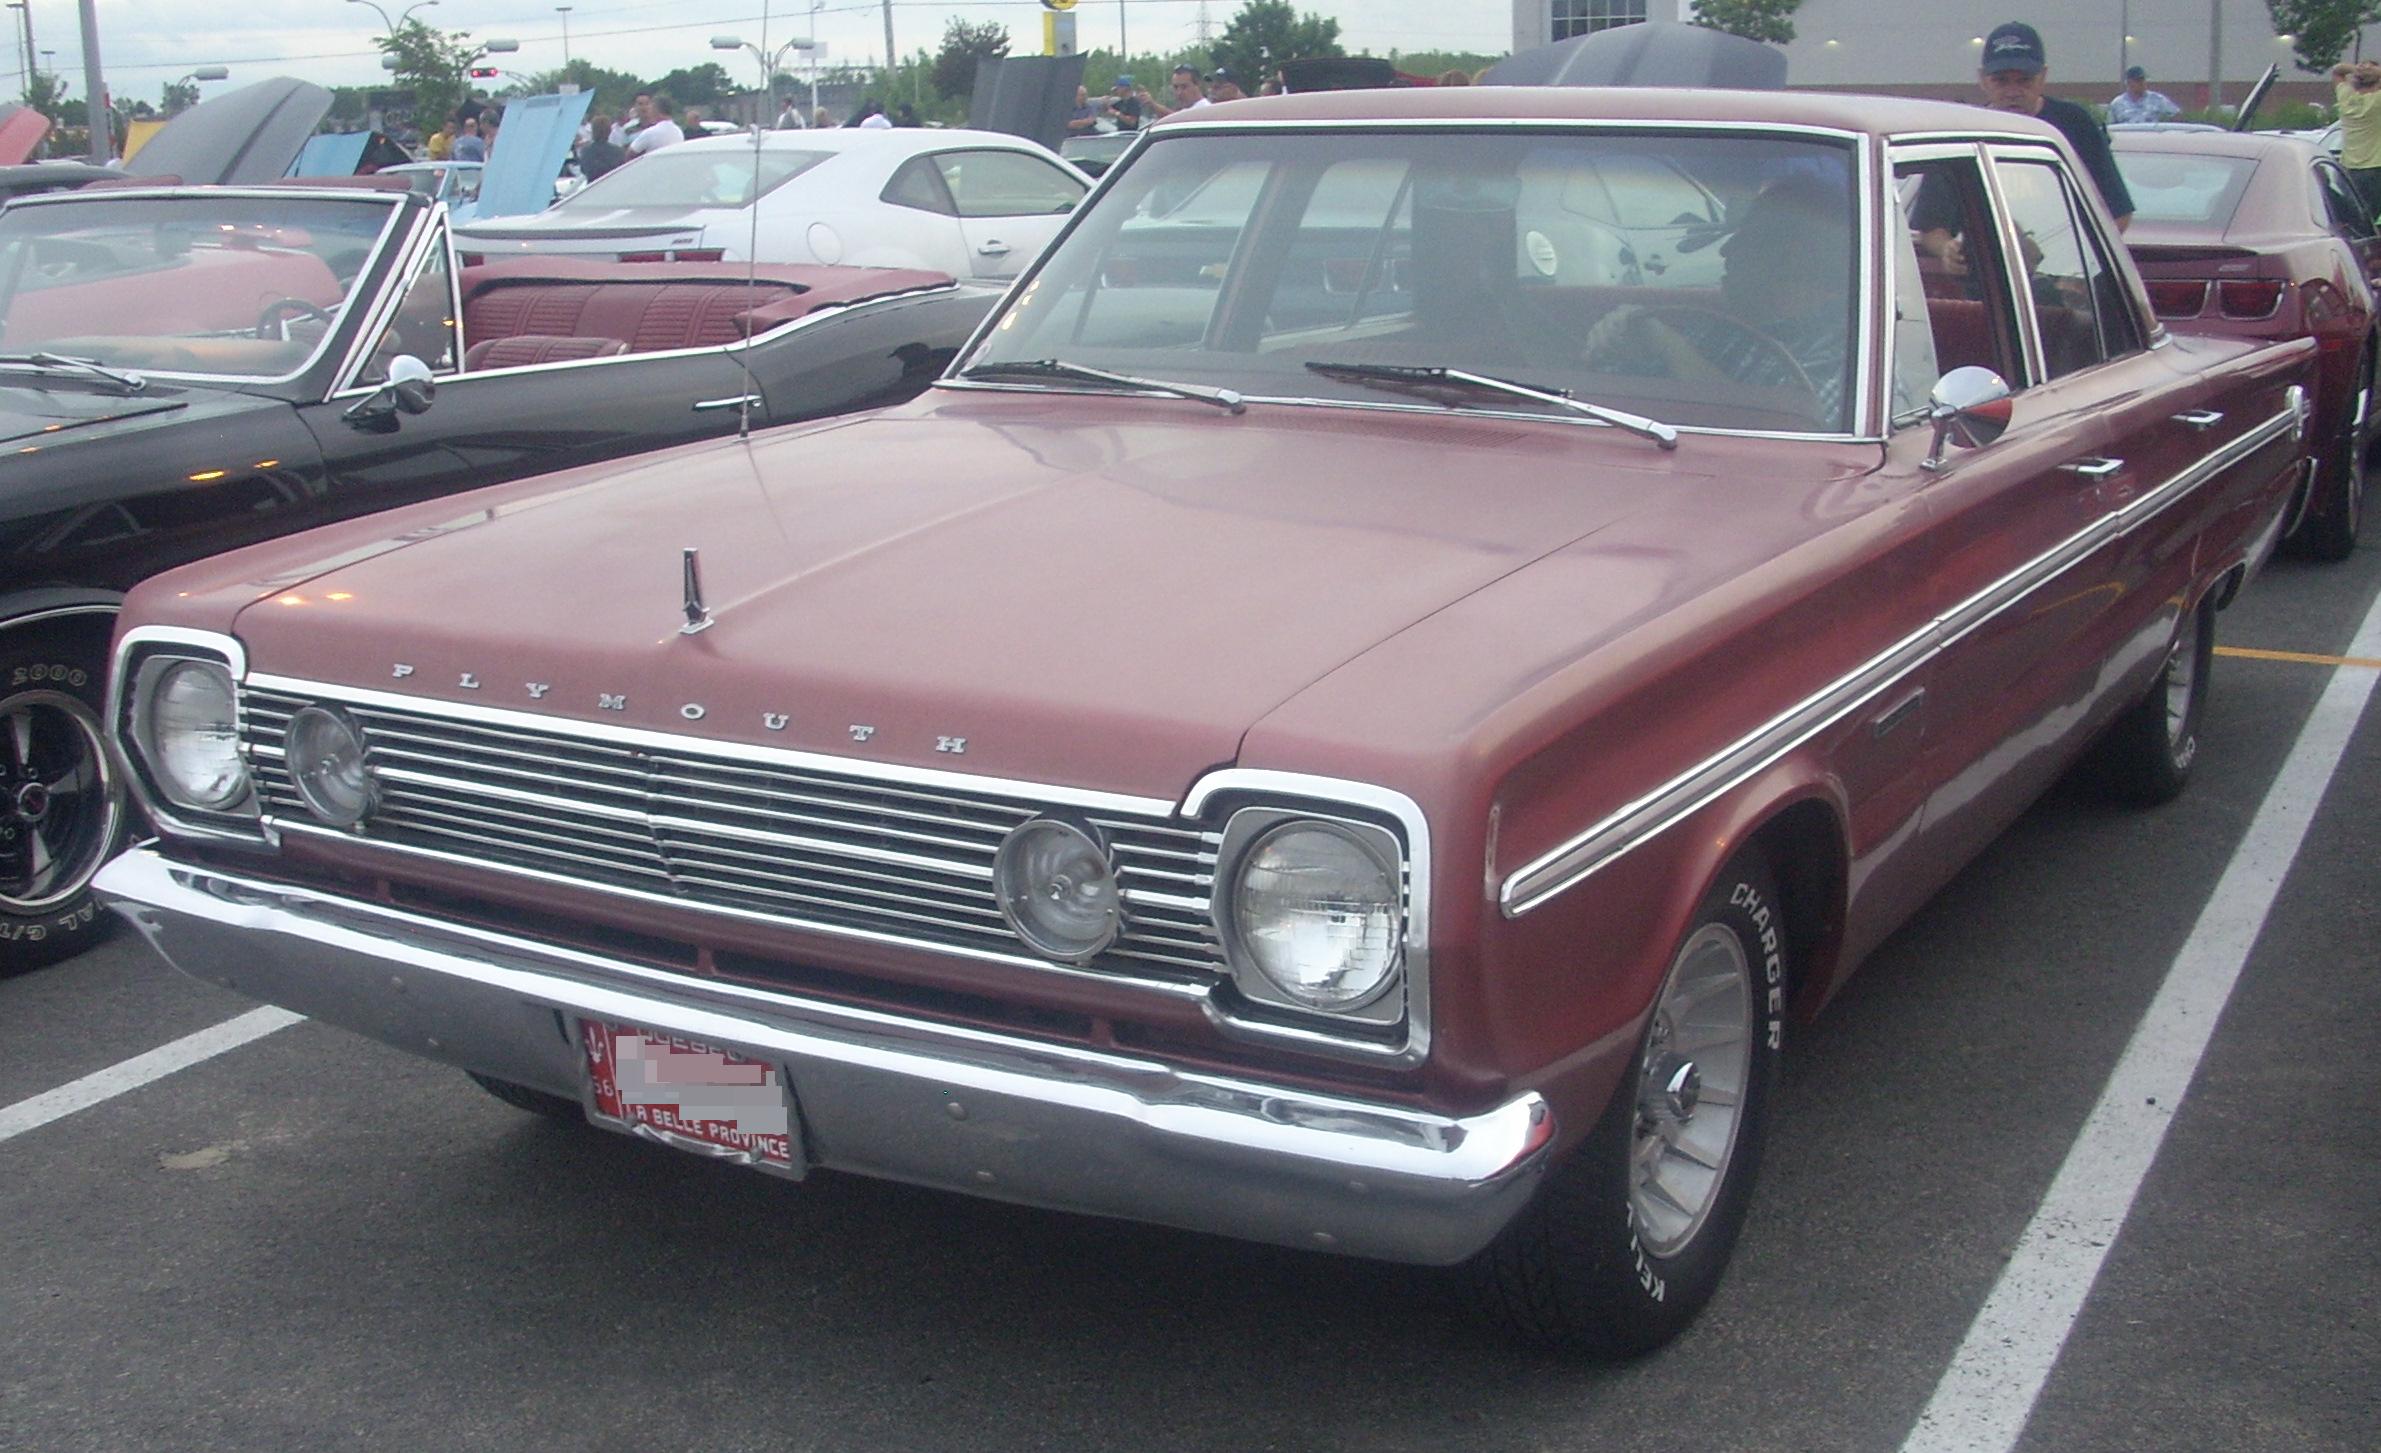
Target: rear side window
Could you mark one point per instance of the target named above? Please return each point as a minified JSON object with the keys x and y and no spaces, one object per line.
{"x":2347,"y":210}
{"x":1007,"y":184}
{"x":919,"y":185}
{"x":2079,"y":304}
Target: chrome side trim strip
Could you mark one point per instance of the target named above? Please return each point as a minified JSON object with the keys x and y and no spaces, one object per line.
{"x":1030,"y":792}
{"x":1636,"y":823}
{"x":56,"y":612}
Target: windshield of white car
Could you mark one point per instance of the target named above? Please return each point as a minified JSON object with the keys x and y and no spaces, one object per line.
{"x":683,"y":178}
{"x":227,"y":285}
{"x":1703,"y":279}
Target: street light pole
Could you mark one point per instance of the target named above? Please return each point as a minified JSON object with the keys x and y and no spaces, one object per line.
{"x":564,"y":12}
{"x":101,"y":129}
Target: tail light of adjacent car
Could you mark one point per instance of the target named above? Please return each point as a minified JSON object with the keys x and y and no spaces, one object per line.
{"x":2249,"y":297}
{"x":2180,"y":297}
{"x":680,"y":254}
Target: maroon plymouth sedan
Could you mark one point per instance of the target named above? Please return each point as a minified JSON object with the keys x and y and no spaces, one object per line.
{"x":1424,"y":632}
{"x":2261,"y":236}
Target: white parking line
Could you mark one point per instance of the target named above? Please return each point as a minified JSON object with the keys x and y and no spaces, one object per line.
{"x":1982,"y":1403}
{"x":139,"y":1070}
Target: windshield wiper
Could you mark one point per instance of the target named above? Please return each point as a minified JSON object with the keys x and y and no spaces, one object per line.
{"x":1399,"y":375}
{"x":91,"y":367}
{"x":1222,"y":398}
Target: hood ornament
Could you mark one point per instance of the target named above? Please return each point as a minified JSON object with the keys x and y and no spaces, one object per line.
{"x":698,"y":615}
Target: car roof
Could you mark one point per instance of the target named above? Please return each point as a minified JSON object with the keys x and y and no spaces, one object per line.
{"x":902,"y":140}
{"x":1875,"y":115}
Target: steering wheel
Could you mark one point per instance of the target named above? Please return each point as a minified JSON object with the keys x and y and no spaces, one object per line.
{"x":269,"y":322}
{"x":1762,"y":342}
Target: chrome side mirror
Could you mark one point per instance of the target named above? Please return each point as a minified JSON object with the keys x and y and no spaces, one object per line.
{"x":1970,"y":407}
{"x":410,"y":389}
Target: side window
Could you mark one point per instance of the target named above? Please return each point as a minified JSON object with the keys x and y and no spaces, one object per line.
{"x":425,"y":323}
{"x":1350,"y":262}
{"x":2347,"y":209}
{"x":917,"y":184}
{"x":1951,"y":307}
{"x":1007,"y":184}
{"x":2079,"y":304}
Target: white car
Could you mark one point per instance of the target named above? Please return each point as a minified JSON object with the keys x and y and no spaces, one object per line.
{"x":974,"y":204}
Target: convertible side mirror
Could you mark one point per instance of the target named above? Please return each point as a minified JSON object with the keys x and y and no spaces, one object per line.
{"x":411,"y":388}
{"x":1970,"y":407}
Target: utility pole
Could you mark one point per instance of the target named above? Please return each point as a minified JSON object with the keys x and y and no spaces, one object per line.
{"x":1124,"y":42}
{"x":564,"y":12}
{"x":102,"y":147}
{"x":1206,"y":25}
{"x":2215,"y":54}
{"x":890,"y":60}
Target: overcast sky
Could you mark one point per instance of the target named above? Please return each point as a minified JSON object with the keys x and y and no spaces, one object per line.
{"x":147,"y":43}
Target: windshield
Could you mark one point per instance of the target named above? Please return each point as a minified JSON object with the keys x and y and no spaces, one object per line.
{"x":2201,"y":191}
{"x":238,"y":286}
{"x":683,"y":178}
{"x":1701,"y":279}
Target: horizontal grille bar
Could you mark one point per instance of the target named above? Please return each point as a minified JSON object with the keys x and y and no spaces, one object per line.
{"x":795,"y":844}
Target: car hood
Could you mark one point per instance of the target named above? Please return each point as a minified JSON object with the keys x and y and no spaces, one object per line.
{"x":29,"y":413}
{"x":243,"y":137}
{"x":1085,"y":591}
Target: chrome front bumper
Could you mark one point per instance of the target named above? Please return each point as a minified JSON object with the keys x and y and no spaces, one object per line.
{"x":989,"y":1114}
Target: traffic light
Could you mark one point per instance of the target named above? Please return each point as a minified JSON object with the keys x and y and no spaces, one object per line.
{"x":483,"y":73}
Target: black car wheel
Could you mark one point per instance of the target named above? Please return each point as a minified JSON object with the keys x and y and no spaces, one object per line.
{"x":1628,"y":1237}
{"x":61,"y":809}
{"x":2146,"y":756}
{"x":2332,"y":526}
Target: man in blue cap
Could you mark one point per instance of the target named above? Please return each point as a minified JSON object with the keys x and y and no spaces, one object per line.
{"x":2012,"y":74}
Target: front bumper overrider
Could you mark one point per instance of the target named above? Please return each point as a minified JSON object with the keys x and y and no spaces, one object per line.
{"x":990,"y":1114}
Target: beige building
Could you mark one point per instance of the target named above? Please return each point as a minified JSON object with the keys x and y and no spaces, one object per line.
{"x":1930,"y":46}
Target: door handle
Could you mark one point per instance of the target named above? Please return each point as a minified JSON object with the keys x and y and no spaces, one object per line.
{"x":2093,"y":468}
{"x":994,"y":248}
{"x":705,"y":406}
{"x":2199,"y":418}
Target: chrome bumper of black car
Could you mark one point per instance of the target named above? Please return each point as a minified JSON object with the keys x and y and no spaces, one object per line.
{"x":989,"y":1114}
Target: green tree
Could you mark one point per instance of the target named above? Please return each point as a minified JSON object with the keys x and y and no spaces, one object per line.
{"x":2322,"y":30}
{"x":431,"y":63}
{"x":964,"y":47}
{"x":179,"y":96}
{"x":45,"y":92}
{"x":611,"y":89}
{"x":703,"y":85}
{"x":1267,"y":32}
{"x":1769,"y":20}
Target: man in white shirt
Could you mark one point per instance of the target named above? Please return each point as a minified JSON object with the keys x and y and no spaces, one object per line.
{"x":660,"y":128}
{"x":789,"y":116}
{"x":2137,"y":102}
{"x":1189,"y":93}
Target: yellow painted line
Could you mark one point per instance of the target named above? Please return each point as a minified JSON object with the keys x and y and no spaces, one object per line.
{"x":2301,"y":657}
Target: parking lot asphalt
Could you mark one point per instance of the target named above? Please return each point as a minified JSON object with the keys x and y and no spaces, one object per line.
{"x":312,"y":1241}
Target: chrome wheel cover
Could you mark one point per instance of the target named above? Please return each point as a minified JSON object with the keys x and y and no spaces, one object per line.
{"x":58,"y":800}
{"x":1691,"y":1087}
{"x":2182,"y":683}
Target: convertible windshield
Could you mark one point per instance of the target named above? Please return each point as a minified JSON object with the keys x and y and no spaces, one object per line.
{"x":1699,"y":279}
{"x":236,"y":286}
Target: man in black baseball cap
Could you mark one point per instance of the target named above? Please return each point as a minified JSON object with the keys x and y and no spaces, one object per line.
{"x":2012,"y":74}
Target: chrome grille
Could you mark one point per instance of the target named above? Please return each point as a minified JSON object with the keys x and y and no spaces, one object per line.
{"x":808,"y":847}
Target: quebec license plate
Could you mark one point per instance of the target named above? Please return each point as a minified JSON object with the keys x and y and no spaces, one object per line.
{"x":690,"y":1095}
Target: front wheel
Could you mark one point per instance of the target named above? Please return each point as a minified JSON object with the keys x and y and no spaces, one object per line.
{"x":2146,"y":757}
{"x":1627,"y":1239}
{"x":61,"y":809}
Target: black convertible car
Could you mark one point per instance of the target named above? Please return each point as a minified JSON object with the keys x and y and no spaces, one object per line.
{"x":186,"y":370}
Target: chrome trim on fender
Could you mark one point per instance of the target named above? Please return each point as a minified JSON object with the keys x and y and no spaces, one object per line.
{"x":1635,"y":823}
{"x":982,"y":1111}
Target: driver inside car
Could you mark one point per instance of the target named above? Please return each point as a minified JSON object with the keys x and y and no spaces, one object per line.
{"x":1784,"y":324}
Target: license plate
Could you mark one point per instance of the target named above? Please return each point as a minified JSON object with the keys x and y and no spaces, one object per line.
{"x":690,"y":1095}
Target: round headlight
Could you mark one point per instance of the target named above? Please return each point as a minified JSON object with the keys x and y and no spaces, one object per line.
{"x":1317,"y":912}
{"x":193,"y":736}
{"x":326,"y":760}
{"x":1058,"y":889}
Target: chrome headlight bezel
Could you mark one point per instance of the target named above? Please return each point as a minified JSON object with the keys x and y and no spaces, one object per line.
{"x":144,"y":654}
{"x":1381,"y":1005}
{"x":158,"y":677}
